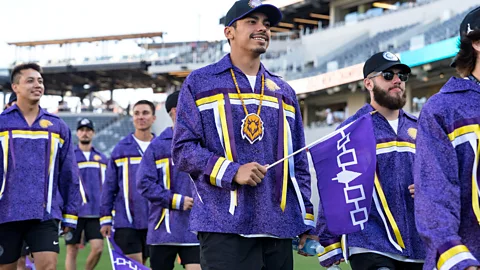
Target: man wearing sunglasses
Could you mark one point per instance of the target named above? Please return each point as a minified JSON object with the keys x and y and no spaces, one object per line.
{"x":390,"y":239}
{"x":446,"y":167}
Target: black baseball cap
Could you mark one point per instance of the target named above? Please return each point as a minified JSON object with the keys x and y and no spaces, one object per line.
{"x":382,"y":61}
{"x":13,"y":98}
{"x":470,"y":23}
{"x":242,"y":8}
{"x":85,"y":122}
{"x":172,"y":101}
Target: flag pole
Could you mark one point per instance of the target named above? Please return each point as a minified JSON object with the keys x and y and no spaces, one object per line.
{"x":110,"y":252}
{"x":324,"y":138}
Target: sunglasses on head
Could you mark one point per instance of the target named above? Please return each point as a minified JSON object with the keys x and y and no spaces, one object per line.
{"x":388,"y":75}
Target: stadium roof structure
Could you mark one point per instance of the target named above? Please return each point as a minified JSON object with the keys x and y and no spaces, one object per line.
{"x":81,"y":79}
{"x":152,"y":46}
{"x":85,"y":39}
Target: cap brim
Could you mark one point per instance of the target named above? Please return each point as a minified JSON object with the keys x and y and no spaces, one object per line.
{"x":400,"y":66}
{"x":273,"y":14}
{"x":454,"y":63}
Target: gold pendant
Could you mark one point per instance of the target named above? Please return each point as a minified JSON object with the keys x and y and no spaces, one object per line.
{"x":252,"y":128}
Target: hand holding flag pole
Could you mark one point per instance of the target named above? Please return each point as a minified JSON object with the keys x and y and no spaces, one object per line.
{"x":110,"y":252}
{"x":322,"y":139}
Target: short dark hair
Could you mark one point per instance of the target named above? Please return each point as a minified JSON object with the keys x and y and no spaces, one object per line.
{"x":146,"y":102}
{"x":466,"y":58}
{"x":17,"y":70}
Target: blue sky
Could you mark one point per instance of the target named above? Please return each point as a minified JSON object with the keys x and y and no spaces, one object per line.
{"x":183,"y":20}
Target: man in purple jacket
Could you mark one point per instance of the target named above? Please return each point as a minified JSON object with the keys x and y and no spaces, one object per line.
{"x":119,"y":190}
{"x":447,"y":206}
{"x":38,"y":175}
{"x":169,"y":192}
{"x":389,"y":239}
{"x":92,"y":165}
{"x":233,"y":118}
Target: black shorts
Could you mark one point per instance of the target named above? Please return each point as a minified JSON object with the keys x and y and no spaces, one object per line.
{"x":163,"y":257}
{"x":39,"y":236}
{"x":91,"y":227}
{"x":219,"y":251}
{"x":131,"y":241}
{"x":373,"y":261}
{"x":25,"y":250}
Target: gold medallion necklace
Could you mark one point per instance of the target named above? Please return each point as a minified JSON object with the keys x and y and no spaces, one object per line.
{"x":252,"y":124}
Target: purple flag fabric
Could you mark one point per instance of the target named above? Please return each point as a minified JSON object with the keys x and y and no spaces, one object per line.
{"x":120,"y":261}
{"x":29,"y":264}
{"x":345,"y":167}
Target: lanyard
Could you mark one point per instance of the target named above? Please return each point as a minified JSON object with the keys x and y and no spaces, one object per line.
{"x":473,"y":79}
{"x":140,"y":151}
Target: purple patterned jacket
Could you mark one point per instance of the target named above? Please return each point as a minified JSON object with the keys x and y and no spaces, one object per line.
{"x":208,"y":144}
{"x":447,"y":206}
{"x":38,"y":171}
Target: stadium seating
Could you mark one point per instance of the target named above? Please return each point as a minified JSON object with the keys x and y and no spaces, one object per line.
{"x":439,"y":32}
{"x":101,"y":121}
{"x":357,"y":53}
{"x":361,"y":49}
{"x":108,"y":137}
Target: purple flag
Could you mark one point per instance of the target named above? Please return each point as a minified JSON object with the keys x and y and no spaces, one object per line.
{"x":29,"y":264}
{"x":120,"y":261}
{"x":345,"y":166}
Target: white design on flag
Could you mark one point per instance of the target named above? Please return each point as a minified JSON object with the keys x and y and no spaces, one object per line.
{"x":123,"y":262}
{"x":346,"y":176}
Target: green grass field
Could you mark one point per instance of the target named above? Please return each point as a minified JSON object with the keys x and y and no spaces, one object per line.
{"x":300,"y":262}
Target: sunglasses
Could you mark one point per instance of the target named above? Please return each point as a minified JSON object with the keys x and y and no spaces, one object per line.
{"x":388,"y":75}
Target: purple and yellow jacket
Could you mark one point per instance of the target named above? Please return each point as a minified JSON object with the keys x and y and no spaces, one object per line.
{"x":446,"y":176}
{"x":91,"y":178}
{"x":391,"y":222}
{"x":38,"y":174}
{"x":119,"y":190}
{"x":208,"y":145}
{"x":165,"y":187}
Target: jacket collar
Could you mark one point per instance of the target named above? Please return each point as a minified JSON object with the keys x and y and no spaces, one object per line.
{"x":459,"y":85}
{"x":225,"y":64}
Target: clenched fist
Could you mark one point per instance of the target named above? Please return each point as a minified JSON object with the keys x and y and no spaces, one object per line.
{"x":106,"y":231}
{"x":250,"y":174}
{"x":187,"y":203}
